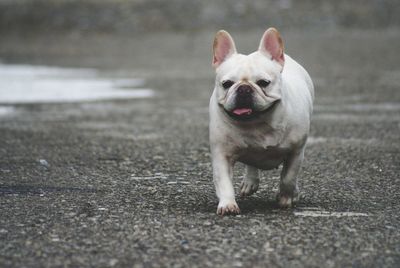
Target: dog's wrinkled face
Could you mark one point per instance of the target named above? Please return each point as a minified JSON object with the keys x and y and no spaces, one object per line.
{"x":247,"y":85}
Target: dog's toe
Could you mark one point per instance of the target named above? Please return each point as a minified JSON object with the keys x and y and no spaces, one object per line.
{"x":286,"y":200}
{"x":226,"y":209}
{"x":248,"y":188}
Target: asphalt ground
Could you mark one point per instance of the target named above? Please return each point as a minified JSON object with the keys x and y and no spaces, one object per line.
{"x":128,"y":183}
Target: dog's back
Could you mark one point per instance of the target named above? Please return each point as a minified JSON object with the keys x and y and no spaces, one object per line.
{"x":298,"y":84}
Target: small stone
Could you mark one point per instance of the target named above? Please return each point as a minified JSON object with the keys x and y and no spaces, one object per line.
{"x":113,"y":262}
{"x":267,"y":247}
{"x":298,"y":252}
{"x":184,"y":244}
{"x":44,"y":163}
{"x":207,"y":223}
{"x":237,"y":264}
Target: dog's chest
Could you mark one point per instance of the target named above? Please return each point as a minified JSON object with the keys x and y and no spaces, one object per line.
{"x":263,"y":151}
{"x":263,"y":158}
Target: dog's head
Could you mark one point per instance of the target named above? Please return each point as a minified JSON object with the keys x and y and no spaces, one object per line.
{"x":248,"y":85}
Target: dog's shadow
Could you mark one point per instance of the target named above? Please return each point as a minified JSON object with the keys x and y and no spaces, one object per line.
{"x":257,"y":205}
{"x":252,"y":205}
{"x":247,"y":205}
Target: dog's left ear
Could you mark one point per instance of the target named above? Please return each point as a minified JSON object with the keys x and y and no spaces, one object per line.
{"x":271,"y":45}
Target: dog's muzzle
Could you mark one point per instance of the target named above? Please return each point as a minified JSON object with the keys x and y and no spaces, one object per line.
{"x":243,"y":100}
{"x":244,"y":109}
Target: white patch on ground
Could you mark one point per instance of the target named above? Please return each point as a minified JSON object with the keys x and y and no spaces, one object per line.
{"x":6,"y":110}
{"x":128,"y":136}
{"x":346,"y":117}
{"x":318,"y":140}
{"x":156,"y":176}
{"x":360,"y":107}
{"x":42,"y":84}
{"x":316,"y":212}
{"x":328,"y":100}
{"x":129,"y":83}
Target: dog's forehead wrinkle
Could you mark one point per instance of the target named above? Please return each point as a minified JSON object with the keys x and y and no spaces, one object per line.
{"x":264,"y":68}
{"x":235,"y":74}
{"x":241,"y":69}
{"x":251,"y":67}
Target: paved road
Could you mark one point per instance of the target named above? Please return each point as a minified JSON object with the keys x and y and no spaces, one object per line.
{"x":128,"y":182}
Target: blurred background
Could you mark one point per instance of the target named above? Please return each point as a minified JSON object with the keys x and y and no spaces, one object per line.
{"x":174,"y":37}
{"x":142,"y":16}
{"x":78,"y":32}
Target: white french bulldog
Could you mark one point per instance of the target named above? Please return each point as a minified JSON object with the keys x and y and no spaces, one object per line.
{"x":260,"y":114}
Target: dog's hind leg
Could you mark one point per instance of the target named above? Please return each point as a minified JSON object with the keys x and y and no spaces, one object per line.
{"x":250,"y":181}
{"x":288,"y":190}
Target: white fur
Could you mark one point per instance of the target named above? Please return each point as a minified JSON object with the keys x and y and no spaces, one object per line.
{"x":277,"y":137}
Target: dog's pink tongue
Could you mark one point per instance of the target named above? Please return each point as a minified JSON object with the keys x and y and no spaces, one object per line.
{"x":242,"y":111}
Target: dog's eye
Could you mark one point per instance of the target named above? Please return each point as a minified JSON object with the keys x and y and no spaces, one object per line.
{"x":227,"y":84}
{"x":263,"y":83}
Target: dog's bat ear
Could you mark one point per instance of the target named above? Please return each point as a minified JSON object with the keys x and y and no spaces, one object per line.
{"x":223,"y":48}
{"x":271,"y":45}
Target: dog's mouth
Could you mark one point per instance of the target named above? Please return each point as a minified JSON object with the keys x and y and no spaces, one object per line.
{"x":242,"y":114}
{"x":242,"y":111}
{"x":248,"y":113}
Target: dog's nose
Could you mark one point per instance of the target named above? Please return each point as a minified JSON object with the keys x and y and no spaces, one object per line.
{"x":244,"y":90}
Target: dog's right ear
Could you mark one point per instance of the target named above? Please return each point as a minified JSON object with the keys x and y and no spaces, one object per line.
{"x":223,"y":48}
{"x":271,"y":45}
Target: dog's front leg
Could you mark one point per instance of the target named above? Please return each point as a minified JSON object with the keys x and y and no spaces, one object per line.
{"x":222,"y":175}
{"x":289,"y":192}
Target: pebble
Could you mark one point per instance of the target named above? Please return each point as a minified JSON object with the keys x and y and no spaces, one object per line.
{"x":113,"y":262}
{"x":207,"y":223}
{"x":184,"y":244}
{"x":44,"y":163}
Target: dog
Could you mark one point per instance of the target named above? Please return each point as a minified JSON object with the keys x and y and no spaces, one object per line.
{"x":260,"y":113}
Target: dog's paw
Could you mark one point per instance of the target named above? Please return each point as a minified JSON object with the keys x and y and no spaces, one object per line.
{"x":225,"y":208}
{"x":287,"y":200}
{"x":248,"y":187}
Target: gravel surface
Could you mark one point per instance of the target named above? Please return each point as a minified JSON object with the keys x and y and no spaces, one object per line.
{"x":127,"y":183}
